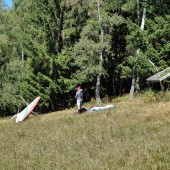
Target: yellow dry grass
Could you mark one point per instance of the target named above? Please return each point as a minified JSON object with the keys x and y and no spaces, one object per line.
{"x":135,"y":135}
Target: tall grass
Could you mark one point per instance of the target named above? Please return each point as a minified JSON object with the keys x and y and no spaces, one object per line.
{"x":135,"y":135}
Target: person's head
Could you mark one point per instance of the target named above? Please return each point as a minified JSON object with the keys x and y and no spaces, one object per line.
{"x":78,"y":88}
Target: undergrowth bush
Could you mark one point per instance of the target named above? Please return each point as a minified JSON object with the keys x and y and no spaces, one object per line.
{"x":121,"y":98}
{"x":154,"y":96}
{"x":149,"y":96}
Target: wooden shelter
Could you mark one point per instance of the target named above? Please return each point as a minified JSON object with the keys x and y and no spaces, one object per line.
{"x":160,"y":77}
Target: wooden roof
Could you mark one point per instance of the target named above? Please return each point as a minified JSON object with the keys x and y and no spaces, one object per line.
{"x":162,"y":75}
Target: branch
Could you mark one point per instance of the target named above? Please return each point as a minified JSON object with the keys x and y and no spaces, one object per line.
{"x":27,"y":105}
{"x":24,"y":100}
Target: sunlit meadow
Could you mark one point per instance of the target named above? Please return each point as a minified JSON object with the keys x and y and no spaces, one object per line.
{"x":135,"y":135}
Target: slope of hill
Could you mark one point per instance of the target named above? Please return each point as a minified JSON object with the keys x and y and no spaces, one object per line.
{"x":135,"y":135}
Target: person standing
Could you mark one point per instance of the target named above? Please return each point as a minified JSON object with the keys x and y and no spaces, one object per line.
{"x":79,"y":97}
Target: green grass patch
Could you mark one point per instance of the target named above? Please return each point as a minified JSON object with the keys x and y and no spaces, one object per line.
{"x":135,"y":135}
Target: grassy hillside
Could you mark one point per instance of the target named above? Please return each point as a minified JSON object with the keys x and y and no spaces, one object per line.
{"x":135,"y":135}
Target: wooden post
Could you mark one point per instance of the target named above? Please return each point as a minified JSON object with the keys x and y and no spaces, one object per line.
{"x":162,"y":84}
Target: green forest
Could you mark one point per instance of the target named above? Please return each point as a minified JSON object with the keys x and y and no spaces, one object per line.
{"x":49,"y":47}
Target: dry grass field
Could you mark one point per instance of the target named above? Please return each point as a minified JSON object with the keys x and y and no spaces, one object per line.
{"x":133,"y":136}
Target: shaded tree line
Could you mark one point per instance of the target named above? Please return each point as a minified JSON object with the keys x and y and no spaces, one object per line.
{"x":48,"y":47}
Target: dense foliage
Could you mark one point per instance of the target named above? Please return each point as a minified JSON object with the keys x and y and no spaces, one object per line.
{"x":49,"y":47}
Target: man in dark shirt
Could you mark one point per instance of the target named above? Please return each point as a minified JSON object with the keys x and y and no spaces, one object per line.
{"x":79,"y":97}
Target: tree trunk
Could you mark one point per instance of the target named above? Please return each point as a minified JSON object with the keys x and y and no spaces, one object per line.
{"x":59,"y":17}
{"x":98,"y":100}
{"x":120,"y":86}
{"x":137,"y":74}
{"x":132,"y":89}
{"x":60,"y":38}
{"x":136,"y":81}
{"x":143,"y":19}
{"x":138,"y":50}
{"x":22,"y":59}
{"x":110,"y":83}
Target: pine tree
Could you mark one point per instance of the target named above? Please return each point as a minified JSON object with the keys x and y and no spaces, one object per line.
{"x":95,"y":43}
{"x":49,"y":27}
{"x":10,"y":63}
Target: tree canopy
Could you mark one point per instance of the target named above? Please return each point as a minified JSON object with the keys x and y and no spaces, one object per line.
{"x":48,"y":47}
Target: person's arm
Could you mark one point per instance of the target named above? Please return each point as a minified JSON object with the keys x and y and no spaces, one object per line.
{"x":76,"y":96}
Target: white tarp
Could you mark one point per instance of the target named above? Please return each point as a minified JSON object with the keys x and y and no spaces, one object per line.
{"x":102,"y":108}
